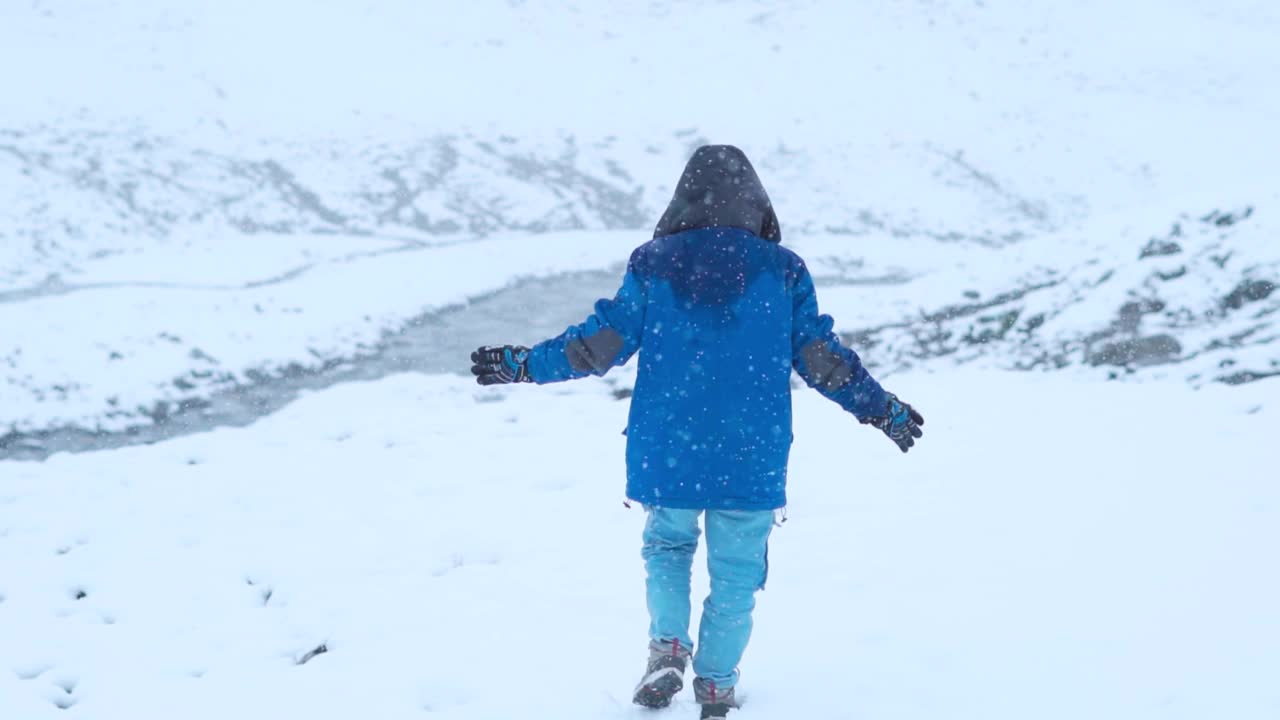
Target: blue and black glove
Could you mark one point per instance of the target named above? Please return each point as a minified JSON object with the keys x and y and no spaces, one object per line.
{"x":501,"y":364}
{"x":900,"y":422}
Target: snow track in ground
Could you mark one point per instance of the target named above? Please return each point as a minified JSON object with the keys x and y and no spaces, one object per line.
{"x":419,"y":547}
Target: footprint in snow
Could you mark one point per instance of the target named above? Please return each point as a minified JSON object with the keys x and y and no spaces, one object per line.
{"x":66,"y":683}
{"x":64,"y":695}
{"x":31,"y":671}
{"x":458,"y":561}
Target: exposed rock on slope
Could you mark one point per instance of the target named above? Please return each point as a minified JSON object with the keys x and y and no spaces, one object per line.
{"x":1198,"y":301}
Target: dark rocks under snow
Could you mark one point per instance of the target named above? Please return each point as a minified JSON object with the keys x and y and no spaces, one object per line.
{"x":1195,"y":303}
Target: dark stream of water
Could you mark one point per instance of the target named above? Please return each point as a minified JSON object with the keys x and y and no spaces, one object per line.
{"x":438,"y":342}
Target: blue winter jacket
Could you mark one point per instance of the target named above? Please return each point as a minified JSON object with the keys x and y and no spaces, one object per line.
{"x":720,"y":316}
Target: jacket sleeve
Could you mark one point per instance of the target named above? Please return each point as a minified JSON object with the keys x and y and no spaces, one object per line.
{"x":825,"y":364}
{"x":608,"y":338}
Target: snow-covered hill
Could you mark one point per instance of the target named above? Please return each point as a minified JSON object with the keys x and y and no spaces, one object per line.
{"x":184,"y":187}
{"x":1195,"y":302}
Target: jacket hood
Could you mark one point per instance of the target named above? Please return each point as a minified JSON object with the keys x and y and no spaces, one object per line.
{"x":719,"y":187}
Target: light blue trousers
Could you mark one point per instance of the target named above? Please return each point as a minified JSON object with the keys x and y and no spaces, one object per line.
{"x":738,"y":562}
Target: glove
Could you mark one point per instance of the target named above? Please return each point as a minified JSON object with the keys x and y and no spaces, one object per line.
{"x":900,"y":422}
{"x":501,"y":364}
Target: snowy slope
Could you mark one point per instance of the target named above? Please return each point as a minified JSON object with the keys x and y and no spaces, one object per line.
{"x":1193,"y":299}
{"x":429,"y":540}
{"x":117,"y":352}
{"x":203,"y":158}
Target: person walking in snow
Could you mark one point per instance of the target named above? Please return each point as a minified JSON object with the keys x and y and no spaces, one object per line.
{"x":720,"y":313}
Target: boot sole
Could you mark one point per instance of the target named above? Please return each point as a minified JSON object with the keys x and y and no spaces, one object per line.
{"x":659,"y":693}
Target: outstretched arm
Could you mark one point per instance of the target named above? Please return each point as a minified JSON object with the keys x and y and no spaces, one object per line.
{"x":608,"y":338}
{"x":824,"y":363}
{"x":837,"y":372}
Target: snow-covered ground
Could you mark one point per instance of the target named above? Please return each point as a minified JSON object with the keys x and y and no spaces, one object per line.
{"x":1055,"y":548}
{"x":1051,"y":225}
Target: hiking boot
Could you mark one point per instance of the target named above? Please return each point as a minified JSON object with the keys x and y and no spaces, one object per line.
{"x":664,"y":676}
{"x":715,"y":703}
